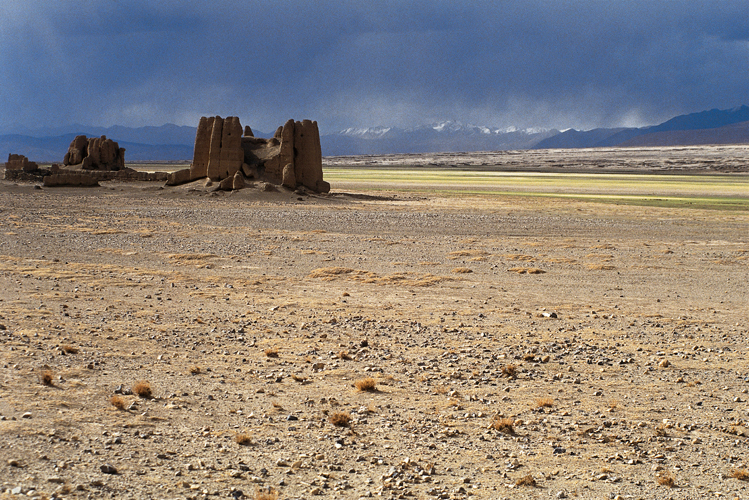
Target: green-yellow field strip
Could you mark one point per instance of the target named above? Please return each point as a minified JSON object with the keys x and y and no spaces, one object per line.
{"x":704,"y":191}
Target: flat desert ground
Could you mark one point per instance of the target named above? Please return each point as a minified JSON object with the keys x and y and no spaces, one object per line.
{"x":542,"y":325}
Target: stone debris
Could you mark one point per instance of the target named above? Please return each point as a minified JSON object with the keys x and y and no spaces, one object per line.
{"x":292,"y":158}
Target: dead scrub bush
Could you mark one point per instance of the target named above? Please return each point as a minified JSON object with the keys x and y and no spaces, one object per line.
{"x":270,"y":494}
{"x":118,"y":402}
{"x":340,"y":419}
{"x":271,"y":352}
{"x":243,"y":439}
{"x":143,"y":389}
{"x":667,"y":480}
{"x":544,"y":403}
{"x":740,"y":474}
{"x":510,"y":371}
{"x":366,"y":384}
{"x":526,"y":480}
{"x":503,"y":424}
{"x":46,"y":377}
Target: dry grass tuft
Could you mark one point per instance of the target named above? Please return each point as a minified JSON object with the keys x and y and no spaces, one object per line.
{"x":271,"y":352}
{"x":329,"y":273}
{"x":191,"y":256}
{"x":270,"y":494}
{"x":46,"y":377}
{"x":195,"y":370}
{"x":143,"y":389}
{"x":366,"y":384}
{"x":510,"y":371}
{"x":544,"y":403}
{"x":667,"y":480}
{"x":505,"y":425}
{"x":462,"y":270}
{"x":468,"y":253}
{"x":526,"y":481}
{"x":526,"y":270}
{"x":118,"y":402}
{"x":243,"y":439}
{"x":340,"y":419}
{"x":69,"y":349}
{"x":740,"y":474}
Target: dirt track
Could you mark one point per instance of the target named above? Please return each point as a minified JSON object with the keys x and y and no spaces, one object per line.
{"x":612,"y":339}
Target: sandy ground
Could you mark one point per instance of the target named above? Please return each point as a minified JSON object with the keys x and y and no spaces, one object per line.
{"x":519,"y":347}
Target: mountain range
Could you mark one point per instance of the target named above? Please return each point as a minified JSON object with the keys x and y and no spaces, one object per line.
{"x":174,"y":143}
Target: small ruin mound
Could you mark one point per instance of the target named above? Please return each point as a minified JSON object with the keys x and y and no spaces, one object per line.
{"x":223,"y":154}
{"x":96,"y":153}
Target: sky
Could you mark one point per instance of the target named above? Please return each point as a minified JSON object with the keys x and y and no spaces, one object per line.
{"x":526,"y":63}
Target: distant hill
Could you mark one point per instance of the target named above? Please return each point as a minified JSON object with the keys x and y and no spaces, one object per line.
{"x":696,"y":128}
{"x":175,"y":143}
{"x":738,"y":133}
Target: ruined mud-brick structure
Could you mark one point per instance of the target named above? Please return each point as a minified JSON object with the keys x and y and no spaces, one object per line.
{"x":87,"y":162}
{"x":96,"y":153}
{"x":226,"y":154}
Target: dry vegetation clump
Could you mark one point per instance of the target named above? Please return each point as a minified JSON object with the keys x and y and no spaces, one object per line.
{"x":69,"y":349}
{"x":510,"y":371}
{"x":143,"y":389}
{"x":366,"y":384}
{"x":667,"y":480}
{"x":191,"y":256}
{"x":195,"y":370}
{"x":526,"y":481}
{"x":503,"y":424}
{"x":468,"y":253}
{"x":330,"y":273}
{"x":740,"y":474}
{"x":243,"y":439}
{"x":271,"y":352}
{"x":46,"y":377}
{"x":340,"y":419}
{"x":462,"y":270}
{"x":526,"y":270}
{"x":270,"y":494}
{"x":660,"y":431}
{"x":544,"y":403}
{"x":118,"y":402}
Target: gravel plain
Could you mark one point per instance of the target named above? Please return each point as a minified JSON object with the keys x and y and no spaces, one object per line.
{"x":518,"y":347}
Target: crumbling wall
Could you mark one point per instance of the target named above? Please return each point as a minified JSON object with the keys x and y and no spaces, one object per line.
{"x":292,"y":158}
{"x":96,"y":153}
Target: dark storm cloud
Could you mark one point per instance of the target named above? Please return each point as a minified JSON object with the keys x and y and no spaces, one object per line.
{"x":525,"y":63}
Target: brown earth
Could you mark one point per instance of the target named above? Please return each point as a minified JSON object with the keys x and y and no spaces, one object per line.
{"x":519,"y":347}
